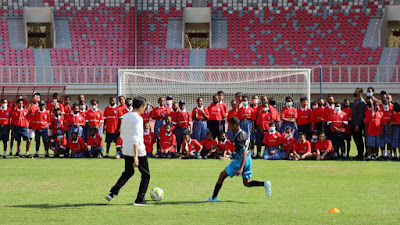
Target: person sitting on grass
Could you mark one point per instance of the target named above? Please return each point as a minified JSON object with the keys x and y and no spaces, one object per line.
{"x":77,"y":146}
{"x":94,"y":145}
{"x":190,"y":148}
{"x":167,"y":144}
{"x":59,"y":145}
{"x":224,"y":149}
{"x":118,"y":145}
{"x":208,"y":144}
{"x":272,"y":140}
{"x":149,"y":139}
{"x":287,"y":142}
{"x":323,"y":149}
{"x":302,"y":148}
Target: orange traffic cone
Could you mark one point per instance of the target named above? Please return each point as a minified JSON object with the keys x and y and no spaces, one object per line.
{"x":334,"y":210}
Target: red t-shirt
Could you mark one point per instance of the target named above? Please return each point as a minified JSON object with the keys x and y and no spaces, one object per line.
{"x":32,"y":109}
{"x":313,"y":143}
{"x":94,"y":141}
{"x":324,"y":146}
{"x":272,"y":139}
{"x":232,"y":113}
{"x":349,"y":114}
{"x":146,"y":116}
{"x":166,"y":141}
{"x":76,"y":118}
{"x":5,"y":116}
{"x":192,"y":146}
{"x":162,"y":129}
{"x":61,"y":143}
{"x":289,"y":113}
{"x":53,"y":124}
{"x":327,"y":112}
{"x":199,"y":115}
{"x":78,"y":146}
{"x":119,"y":143}
{"x":263,"y":120}
{"x":94,"y":118}
{"x":318,"y":114}
{"x":19,"y":117}
{"x":149,"y":140}
{"x":304,"y":116}
{"x":67,"y":109}
{"x":183,"y":119}
{"x":216,"y":112}
{"x":287,"y":143}
{"x":302,"y":148}
{"x":245,"y":113}
{"x":41,"y":120}
{"x":397,"y":118}
{"x":337,"y":119}
{"x":208,"y":144}
{"x":159,"y":113}
{"x":388,"y":116}
{"x":374,"y":122}
{"x":275,"y":113}
{"x":226,"y":146}
{"x":111,"y":116}
{"x":225,"y":108}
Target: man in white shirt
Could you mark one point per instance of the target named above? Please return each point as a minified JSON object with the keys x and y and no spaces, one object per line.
{"x":134,"y":151}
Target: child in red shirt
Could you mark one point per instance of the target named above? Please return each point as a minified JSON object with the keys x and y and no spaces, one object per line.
{"x":208,"y":144}
{"x":20,"y":122}
{"x":224,"y":149}
{"x":337,"y":121}
{"x":232,"y":113}
{"x":302,"y":148}
{"x":387,"y":130}
{"x":313,"y":141}
{"x":167,"y":121}
{"x":289,"y":117}
{"x":200,"y":116}
{"x":261,"y":124}
{"x":272,"y":140}
{"x":323,"y":148}
{"x":287,"y":142}
{"x":94,"y":118}
{"x":304,"y":118}
{"x":373,"y":126}
{"x":60,"y":144}
{"x":183,"y":122}
{"x":41,"y":120}
{"x":149,"y":139}
{"x":167,"y":144}
{"x":118,"y":145}
{"x":94,"y":143}
{"x":77,"y":146}
{"x":191,"y":148}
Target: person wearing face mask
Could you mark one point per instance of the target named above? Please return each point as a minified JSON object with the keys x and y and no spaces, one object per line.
{"x":256,"y":108}
{"x":373,"y":126}
{"x":221,"y":96}
{"x":216,"y":115}
{"x":337,"y":122}
{"x":304,"y":118}
{"x":328,"y":110}
{"x":5,"y":119}
{"x":264,"y":118}
{"x":349,"y":127}
{"x":111,"y":123}
{"x":149,"y":139}
{"x":232,"y":113}
{"x":41,"y":120}
{"x":169,"y":101}
{"x":318,"y":116}
{"x":95,"y":118}
{"x":55,"y":103}
{"x":313,"y":140}
{"x":200,"y":116}
{"x":289,"y":117}
{"x":158,"y":115}
{"x":358,"y":109}
{"x":222,"y":150}
{"x":20,"y":123}
{"x":94,"y":144}
{"x":183,"y":124}
{"x":59,"y":145}
{"x":287,"y":142}
{"x":57,"y":123}
{"x":371,"y":93}
{"x":301,"y":149}
{"x":387,"y":136}
{"x":32,"y":108}
{"x":272,"y":140}
{"x":191,"y":148}
{"x":245,"y":115}
{"x":75,"y":122}
{"x":238,"y":98}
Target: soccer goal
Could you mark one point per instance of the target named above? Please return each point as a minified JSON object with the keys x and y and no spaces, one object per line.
{"x":189,"y":84}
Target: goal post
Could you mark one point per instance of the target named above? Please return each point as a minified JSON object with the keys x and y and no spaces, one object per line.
{"x":189,"y":84}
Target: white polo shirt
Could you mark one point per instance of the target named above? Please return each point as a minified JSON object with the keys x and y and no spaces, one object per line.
{"x":132,"y":134}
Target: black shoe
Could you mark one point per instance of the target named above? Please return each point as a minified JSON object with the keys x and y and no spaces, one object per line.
{"x":28,"y":156}
{"x":56,"y":156}
{"x":106,"y":156}
{"x":46,"y":156}
{"x":4,"y":157}
{"x":36,"y":156}
{"x":16,"y":154}
{"x":19,"y":156}
{"x":141,"y":203}
{"x":10,"y":154}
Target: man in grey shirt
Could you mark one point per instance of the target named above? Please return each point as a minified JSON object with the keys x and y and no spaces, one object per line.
{"x":358,"y":109}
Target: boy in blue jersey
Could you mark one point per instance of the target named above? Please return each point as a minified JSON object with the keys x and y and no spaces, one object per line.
{"x":241,"y":164}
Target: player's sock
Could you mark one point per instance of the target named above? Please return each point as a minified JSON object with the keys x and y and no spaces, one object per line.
{"x":252,"y":152}
{"x":27,"y":153}
{"x":255,"y":183}
{"x":369,"y":157}
{"x":37,"y":152}
{"x":216,"y":190}
{"x":4,"y":153}
{"x":395,"y":154}
{"x":343,"y":155}
{"x":387,"y":153}
{"x":336,"y":155}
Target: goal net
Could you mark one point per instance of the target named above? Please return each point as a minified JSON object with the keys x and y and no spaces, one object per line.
{"x":189,"y":84}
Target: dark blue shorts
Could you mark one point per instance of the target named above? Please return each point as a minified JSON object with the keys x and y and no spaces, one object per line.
{"x":338,"y":138}
{"x":165,"y":155}
{"x":42,"y":133}
{"x":21,"y":132}
{"x":111,"y":137}
{"x":62,"y":150}
{"x":4,"y":132}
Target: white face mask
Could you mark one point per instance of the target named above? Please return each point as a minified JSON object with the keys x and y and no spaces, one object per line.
{"x":169,"y":102}
{"x":265,"y":109}
{"x":289,"y":104}
{"x":369,"y":94}
{"x":54,"y":100}
{"x":287,"y":135}
{"x":244,"y":104}
{"x":272,"y":129}
{"x":255,"y":101}
{"x":385,"y":107}
{"x":337,"y":109}
{"x":4,"y":106}
{"x":82,"y":106}
{"x":314,"y":106}
{"x":60,"y":137}
{"x":94,"y":107}
{"x":314,"y":137}
{"x":146,"y":131}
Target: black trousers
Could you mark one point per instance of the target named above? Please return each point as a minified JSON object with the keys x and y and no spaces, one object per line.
{"x":128,"y":173}
{"x":215,"y":127}
{"x":358,"y":139}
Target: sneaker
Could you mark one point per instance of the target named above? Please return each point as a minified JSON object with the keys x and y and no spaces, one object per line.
{"x":10,"y":154}
{"x":141,"y":203}
{"x":19,"y":156}
{"x":211,"y":199}
{"x":36,"y":156}
{"x":109,"y":197}
{"x":267,"y":187}
{"x":4,"y":157}
{"x":198,"y":157}
{"x":107,"y":156}
{"x":16,"y":154}
{"x":46,"y":156}
{"x":28,"y":156}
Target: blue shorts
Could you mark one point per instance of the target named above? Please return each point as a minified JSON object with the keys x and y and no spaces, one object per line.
{"x":78,"y":155}
{"x":338,"y":138}
{"x":111,"y":137}
{"x":247,"y":126}
{"x":234,"y":166}
{"x":61,"y":150}
{"x":372,"y":141}
{"x":42,"y":133}
{"x":387,"y":138}
{"x":4,"y":132}
{"x":396,"y":137}
{"x":171,"y":154}
{"x":94,"y":148}
{"x":21,"y":132}
{"x":157,"y":125}
{"x":148,"y":155}
{"x":279,"y":154}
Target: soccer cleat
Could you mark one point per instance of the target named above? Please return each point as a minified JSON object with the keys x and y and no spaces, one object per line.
{"x":211,"y":199}
{"x":109,"y":197}
{"x":141,"y":203}
{"x":267,"y":187}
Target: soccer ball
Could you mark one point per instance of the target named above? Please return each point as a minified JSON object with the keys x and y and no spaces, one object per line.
{"x":157,"y":194}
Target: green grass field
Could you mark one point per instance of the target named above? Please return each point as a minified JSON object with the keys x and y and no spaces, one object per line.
{"x":71,"y":191}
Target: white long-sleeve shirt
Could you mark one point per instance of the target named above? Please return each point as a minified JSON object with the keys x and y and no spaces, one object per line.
{"x":132,"y":134}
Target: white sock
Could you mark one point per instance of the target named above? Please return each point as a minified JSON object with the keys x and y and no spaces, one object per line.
{"x":336,"y":155}
{"x":252,"y":152}
{"x":369,"y":157}
{"x":37,"y":152}
{"x":343,"y":155}
{"x":376,"y":156}
{"x":47,"y":152}
{"x":383,"y":153}
{"x":27,"y":153}
{"x":387,"y":152}
{"x":107,"y":154}
{"x":4,"y":153}
{"x":395,"y":154}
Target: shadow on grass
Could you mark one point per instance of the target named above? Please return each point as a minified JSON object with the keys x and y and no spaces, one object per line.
{"x":193,"y":202}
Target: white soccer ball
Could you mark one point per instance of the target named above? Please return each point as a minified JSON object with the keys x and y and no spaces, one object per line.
{"x":157,"y":194}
